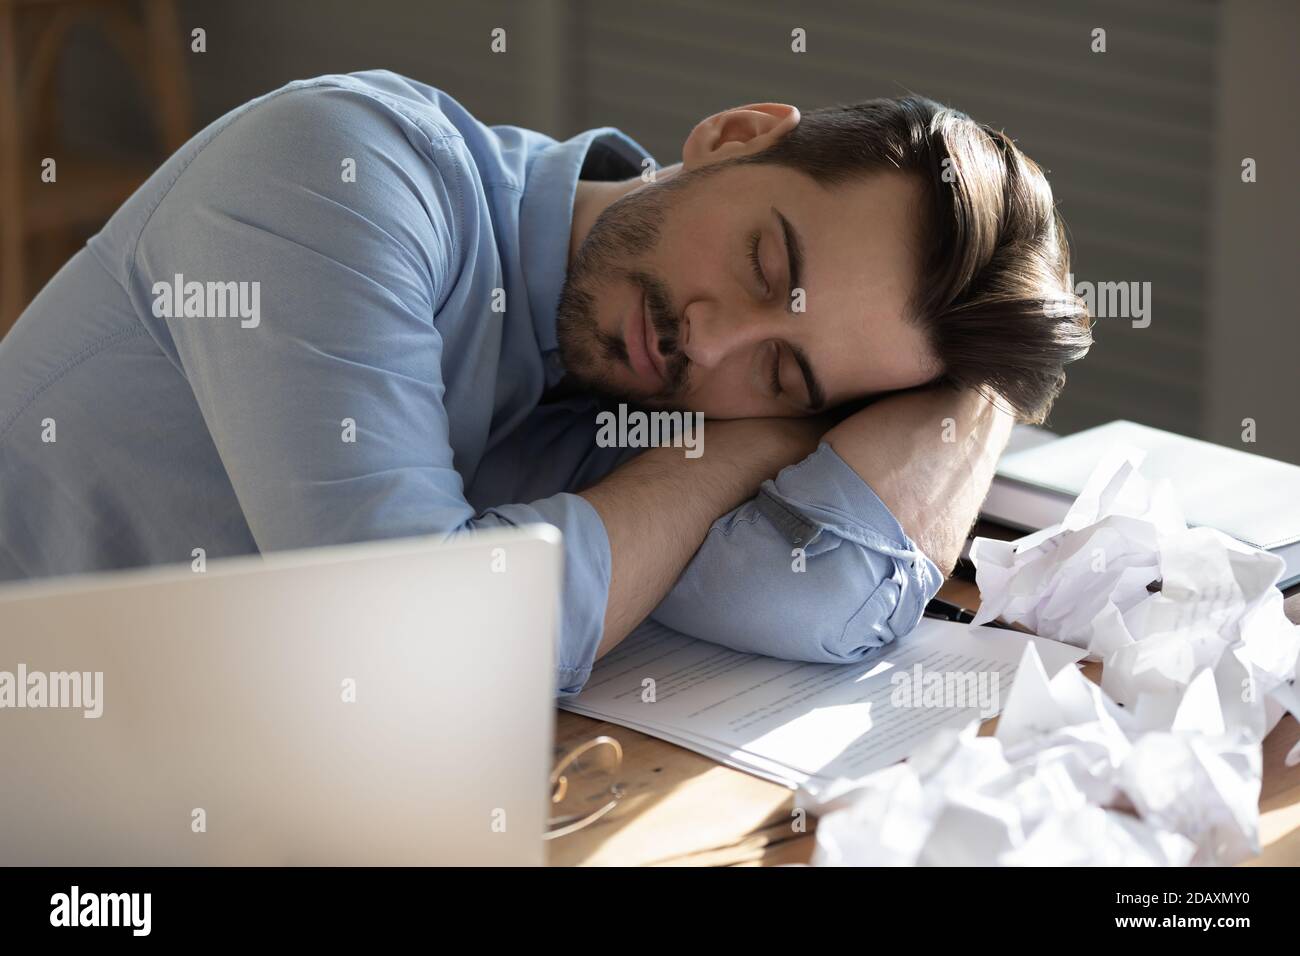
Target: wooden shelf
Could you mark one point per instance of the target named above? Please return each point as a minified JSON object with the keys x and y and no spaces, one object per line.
{"x":49,"y":218}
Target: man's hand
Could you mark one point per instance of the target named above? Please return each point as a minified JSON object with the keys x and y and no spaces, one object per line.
{"x":930,"y":456}
{"x":658,"y":507}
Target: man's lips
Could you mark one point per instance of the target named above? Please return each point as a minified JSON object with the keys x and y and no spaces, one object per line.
{"x":642,"y":346}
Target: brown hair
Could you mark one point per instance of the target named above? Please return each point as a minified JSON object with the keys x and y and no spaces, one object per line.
{"x":993,"y":296}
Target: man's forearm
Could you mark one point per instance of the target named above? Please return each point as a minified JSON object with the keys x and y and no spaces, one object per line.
{"x":658,"y":507}
{"x":930,"y":456}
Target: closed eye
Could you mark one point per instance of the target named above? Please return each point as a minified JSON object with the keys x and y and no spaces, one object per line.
{"x":776,"y":371}
{"x":757,"y":263}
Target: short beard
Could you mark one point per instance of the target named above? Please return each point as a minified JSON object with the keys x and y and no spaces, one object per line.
{"x":627,"y":229}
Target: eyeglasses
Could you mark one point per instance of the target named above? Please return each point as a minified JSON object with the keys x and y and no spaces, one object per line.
{"x":571,"y":823}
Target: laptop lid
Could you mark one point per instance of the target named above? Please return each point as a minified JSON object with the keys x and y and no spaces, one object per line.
{"x":382,"y":703}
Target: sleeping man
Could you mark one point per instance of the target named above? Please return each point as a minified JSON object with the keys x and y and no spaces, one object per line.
{"x":348,"y":310}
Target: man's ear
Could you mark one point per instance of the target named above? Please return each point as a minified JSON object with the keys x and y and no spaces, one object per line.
{"x":738,"y":132}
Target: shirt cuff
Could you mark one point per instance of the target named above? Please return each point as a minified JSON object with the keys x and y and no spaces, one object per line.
{"x":823,"y":494}
{"x":587,"y":565}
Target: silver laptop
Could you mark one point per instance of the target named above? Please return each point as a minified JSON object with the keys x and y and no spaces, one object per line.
{"x":382,"y":703}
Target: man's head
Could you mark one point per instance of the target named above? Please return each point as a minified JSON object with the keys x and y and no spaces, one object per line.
{"x":797,"y":263}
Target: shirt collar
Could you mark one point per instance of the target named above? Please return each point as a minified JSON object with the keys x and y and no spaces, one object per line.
{"x":546,"y":215}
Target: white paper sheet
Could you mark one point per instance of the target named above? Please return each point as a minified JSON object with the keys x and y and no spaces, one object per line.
{"x":801,"y":723}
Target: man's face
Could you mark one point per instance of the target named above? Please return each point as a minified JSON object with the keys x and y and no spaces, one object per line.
{"x":683,"y":294}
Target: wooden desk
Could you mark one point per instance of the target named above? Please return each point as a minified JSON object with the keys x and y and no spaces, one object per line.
{"x":685,"y":809}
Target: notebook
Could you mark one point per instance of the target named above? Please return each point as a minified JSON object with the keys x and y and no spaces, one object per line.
{"x":1253,"y":498}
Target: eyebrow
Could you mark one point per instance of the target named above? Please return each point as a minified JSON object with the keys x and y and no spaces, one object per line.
{"x":794,"y":261}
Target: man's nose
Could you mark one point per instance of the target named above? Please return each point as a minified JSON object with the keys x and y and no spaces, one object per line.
{"x":710,"y":334}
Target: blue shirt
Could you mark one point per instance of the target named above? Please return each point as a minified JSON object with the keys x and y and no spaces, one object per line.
{"x":374,"y":224}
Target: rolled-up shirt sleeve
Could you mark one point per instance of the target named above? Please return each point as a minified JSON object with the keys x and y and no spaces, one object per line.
{"x":814,"y":568}
{"x":586,"y":578}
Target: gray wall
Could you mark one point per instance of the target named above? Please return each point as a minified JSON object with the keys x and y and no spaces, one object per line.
{"x":1254,"y":336}
{"x":1142,"y":143}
